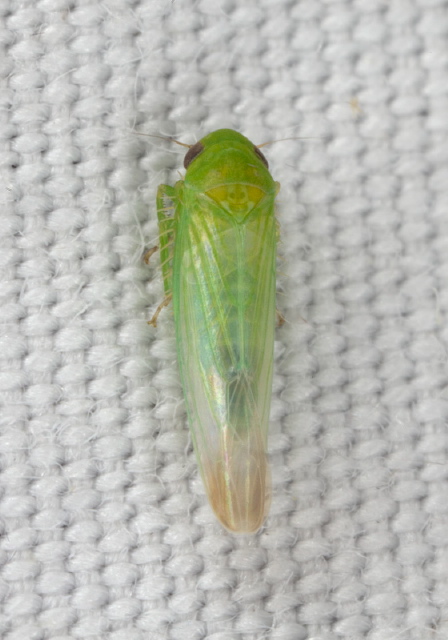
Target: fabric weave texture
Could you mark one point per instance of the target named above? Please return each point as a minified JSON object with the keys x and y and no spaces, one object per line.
{"x":105,"y":531}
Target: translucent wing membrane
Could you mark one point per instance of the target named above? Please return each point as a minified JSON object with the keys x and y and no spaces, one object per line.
{"x":225,"y":312}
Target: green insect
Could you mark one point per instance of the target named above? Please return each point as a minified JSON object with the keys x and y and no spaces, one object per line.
{"x":218,"y":255}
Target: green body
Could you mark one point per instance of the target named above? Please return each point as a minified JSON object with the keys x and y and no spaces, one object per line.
{"x":218,"y":254}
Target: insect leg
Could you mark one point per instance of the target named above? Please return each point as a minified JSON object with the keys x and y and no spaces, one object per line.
{"x":166,"y":235}
{"x":280,"y":318}
{"x":165,"y":302}
{"x":149,"y":253}
{"x":166,"y":245}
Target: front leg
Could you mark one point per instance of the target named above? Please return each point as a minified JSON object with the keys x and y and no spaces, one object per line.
{"x":166,"y":245}
{"x":166,"y":233}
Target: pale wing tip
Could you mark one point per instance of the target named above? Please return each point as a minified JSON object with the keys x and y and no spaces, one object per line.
{"x":239,"y":497}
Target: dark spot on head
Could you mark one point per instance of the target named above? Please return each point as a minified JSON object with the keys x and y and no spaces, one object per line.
{"x":261,"y":156}
{"x":192,"y":153}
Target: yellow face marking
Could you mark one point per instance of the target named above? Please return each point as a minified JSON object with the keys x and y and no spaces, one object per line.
{"x":237,"y":199}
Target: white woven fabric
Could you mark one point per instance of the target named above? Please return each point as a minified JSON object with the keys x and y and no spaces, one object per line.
{"x":105,"y":529}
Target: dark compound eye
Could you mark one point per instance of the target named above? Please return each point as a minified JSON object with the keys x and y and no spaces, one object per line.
{"x":261,"y":156}
{"x":192,"y":153}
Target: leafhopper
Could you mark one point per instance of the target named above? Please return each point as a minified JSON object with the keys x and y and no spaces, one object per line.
{"x":217,"y":239}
